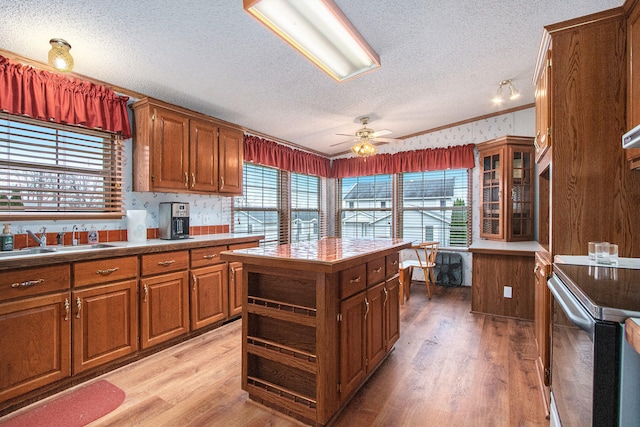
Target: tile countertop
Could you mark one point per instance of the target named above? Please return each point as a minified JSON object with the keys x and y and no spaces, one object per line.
{"x":528,"y":248}
{"x":633,"y":263}
{"x":327,"y":255}
{"x":86,"y":252}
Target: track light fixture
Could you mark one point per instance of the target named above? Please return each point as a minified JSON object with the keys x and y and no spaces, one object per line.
{"x":513,"y":92}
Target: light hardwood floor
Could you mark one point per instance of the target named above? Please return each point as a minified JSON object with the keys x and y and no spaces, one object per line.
{"x":449,"y":368}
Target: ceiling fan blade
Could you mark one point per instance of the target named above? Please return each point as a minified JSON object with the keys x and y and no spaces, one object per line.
{"x":343,"y":142}
{"x":380,"y":133}
{"x":345,"y":134}
{"x":386,"y":140}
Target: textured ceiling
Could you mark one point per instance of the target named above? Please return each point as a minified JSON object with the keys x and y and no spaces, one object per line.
{"x":442,"y":61}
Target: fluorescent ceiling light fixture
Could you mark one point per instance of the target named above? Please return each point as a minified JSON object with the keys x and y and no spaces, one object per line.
{"x":320,"y":31}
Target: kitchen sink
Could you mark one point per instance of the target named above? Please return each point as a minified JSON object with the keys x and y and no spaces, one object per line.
{"x":81,"y":247}
{"x":27,"y":251}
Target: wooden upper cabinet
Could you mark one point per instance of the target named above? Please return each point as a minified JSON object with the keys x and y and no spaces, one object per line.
{"x":203,"y":170}
{"x":633,"y":89}
{"x":231,"y":157}
{"x":181,"y":151}
{"x":506,"y":189}
{"x":542,"y":141}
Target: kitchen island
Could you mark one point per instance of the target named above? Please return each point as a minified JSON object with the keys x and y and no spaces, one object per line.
{"x":318,"y":318}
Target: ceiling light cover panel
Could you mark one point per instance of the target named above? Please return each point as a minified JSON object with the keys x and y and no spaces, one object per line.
{"x":320,"y":31}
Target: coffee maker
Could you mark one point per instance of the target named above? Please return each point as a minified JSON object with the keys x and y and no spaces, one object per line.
{"x":173,"y":220}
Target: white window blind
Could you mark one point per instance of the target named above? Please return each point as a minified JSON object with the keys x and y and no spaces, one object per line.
{"x":56,"y":171}
{"x":305,"y":208}
{"x":435,"y":206}
{"x":365,"y":206}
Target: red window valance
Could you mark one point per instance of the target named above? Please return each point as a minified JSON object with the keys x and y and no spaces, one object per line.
{"x":457,"y":157}
{"x":43,"y":95}
{"x":270,"y":153}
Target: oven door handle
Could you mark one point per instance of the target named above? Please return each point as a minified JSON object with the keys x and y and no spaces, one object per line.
{"x":570,"y":305}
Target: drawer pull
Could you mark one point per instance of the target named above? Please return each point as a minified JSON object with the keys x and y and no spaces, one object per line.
{"x":27,"y":283}
{"x":212,"y":256}
{"x":356,"y":280}
{"x":67,"y":307}
{"x":166,"y":263}
{"x":107,"y":271}
{"x":79,"y":304}
{"x":377,"y":270}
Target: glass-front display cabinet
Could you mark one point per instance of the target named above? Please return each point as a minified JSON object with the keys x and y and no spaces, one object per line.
{"x":506,"y":188}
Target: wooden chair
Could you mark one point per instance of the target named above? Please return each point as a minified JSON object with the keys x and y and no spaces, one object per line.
{"x":426,"y":253}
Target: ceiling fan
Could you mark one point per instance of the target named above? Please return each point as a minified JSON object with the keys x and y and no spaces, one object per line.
{"x":365,"y":137}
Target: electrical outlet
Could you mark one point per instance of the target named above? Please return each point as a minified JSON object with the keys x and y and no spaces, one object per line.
{"x":508,"y":292}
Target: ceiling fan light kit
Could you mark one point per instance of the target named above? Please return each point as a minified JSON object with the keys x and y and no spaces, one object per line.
{"x":364,"y":149}
{"x":320,"y":31}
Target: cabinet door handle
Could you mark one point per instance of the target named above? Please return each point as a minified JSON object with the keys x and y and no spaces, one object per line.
{"x":186,"y":180}
{"x":366,"y":303}
{"x":233,"y":275}
{"x":535,"y":141}
{"x":79,"y":304}
{"x":194,"y":282}
{"x":395,"y":262}
{"x":107,"y":271}
{"x":67,"y":308}
{"x":356,"y":280}
{"x":221,"y":182}
{"x":27,"y":283}
{"x":536,"y":268}
{"x":145,"y":289}
{"x":386,"y":295}
{"x":377,"y":270}
{"x":166,"y":263}
{"x":193,"y":180}
{"x":212,"y":256}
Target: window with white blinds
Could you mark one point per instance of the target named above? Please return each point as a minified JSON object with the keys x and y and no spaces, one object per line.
{"x":56,"y":171}
{"x":285,"y":207}
{"x":257,"y":211}
{"x":365,"y":206}
{"x":305,"y":208}
{"x":419,"y":206}
{"x":435,"y":206}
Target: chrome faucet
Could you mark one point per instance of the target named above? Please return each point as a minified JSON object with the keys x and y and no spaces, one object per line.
{"x":42,"y":240}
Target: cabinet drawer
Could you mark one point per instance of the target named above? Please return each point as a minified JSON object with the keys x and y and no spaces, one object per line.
{"x":164,"y":262}
{"x":392,"y":264}
{"x":203,"y":257}
{"x":244,"y":245}
{"x":34,"y":281}
{"x":375,"y":271}
{"x":104,"y":270}
{"x":352,"y":280}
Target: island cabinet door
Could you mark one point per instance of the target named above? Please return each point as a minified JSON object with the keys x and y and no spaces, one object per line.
{"x":392,"y":312}
{"x":235,"y":288}
{"x":376,"y":326}
{"x":353,"y":342}
{"x":164,"y":308}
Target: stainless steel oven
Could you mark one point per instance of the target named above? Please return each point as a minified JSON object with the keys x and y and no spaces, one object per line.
{"x":590,"y":305}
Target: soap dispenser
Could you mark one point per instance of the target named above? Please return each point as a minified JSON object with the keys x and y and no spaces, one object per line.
{"x":6,"y":238}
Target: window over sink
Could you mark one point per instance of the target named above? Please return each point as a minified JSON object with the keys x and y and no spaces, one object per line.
{"x":53,"y":171}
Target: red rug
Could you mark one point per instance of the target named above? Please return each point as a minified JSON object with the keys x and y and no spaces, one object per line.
{"x":75,"y":409}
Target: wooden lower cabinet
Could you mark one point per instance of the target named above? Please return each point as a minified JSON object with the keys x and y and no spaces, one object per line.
{"x":370,"y":327}
{"x":209,"y":294}
{"x":543,"y":311}
{"x":235,"y":289}
{"x":164,"y":308}
{"x":35,"y":343}
{"x":494,"y":275}
{"x":105,"y":324}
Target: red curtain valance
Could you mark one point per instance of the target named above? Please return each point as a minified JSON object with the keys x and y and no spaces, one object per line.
{"x":270,"y":153}
{"x":43,"y":95}
{"x":456,"y":157}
